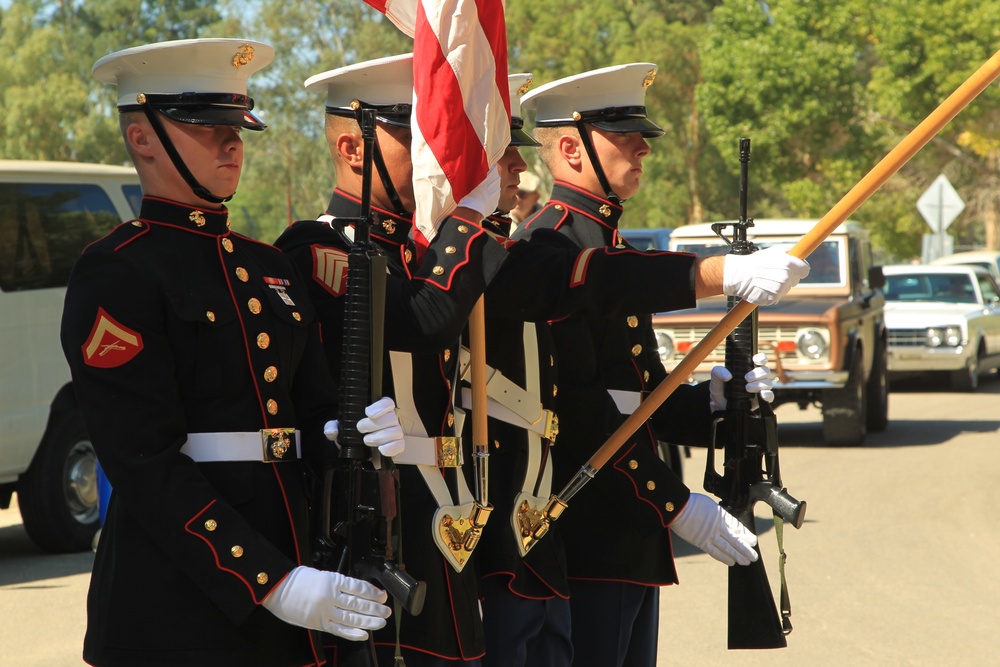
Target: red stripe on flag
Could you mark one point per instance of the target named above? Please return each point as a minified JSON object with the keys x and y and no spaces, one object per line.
{"x":442,"y":119}
{"x":494,"y":25}
{"x":377,"y":4}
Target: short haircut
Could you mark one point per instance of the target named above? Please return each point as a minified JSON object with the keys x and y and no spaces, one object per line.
{"x":126,"y":118}
{"x":548,"y":137}
{"x":337,"y":125}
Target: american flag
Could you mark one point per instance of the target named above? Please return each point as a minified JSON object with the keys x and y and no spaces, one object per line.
{"x":461,"y":101}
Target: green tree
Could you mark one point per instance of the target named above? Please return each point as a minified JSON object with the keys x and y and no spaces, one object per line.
{"x":926,"y":50}
{"x":826,"y":88}
{"x":553,"y":40}
{"x":53,"y":107}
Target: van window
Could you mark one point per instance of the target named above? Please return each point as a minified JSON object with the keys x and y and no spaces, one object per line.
{"x":133,"y":194}
{"x":43,"y":229}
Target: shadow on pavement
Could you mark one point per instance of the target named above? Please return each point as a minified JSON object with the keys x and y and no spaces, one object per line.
{"x":23,"y":564}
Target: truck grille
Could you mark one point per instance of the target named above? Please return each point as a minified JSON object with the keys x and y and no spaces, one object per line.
{"x":907,"y":337}
{"x":767,"y":336}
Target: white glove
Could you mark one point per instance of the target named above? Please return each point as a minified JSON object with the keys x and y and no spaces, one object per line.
{"x":329,"y":602}
{"x":483,"y":200}
{"x":758,"y":382}
{"x":715,"y":531}
{"x":762,"y":277}
{"x":381,"y":428}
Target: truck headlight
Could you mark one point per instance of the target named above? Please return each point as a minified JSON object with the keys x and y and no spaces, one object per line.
{"x":943,"y":337}
{"x":811,"y":344}
{"x":665,"y":346}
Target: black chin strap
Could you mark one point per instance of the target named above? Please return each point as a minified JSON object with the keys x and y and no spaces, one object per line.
{"x":161,"y":132}
{"x":598,"y":169}
{"x":383,"y":174}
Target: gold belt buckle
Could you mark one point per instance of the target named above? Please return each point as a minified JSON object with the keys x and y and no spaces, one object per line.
{"x":278,"y":444}
{"x":551,"y":425}
{"x":448,"y":450}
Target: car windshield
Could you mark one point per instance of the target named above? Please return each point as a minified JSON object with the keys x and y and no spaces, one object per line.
{"x":943,"y":287}
{"x":825,"y":266}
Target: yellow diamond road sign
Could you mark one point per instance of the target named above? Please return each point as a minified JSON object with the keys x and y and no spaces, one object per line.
{"x":940,"y":204}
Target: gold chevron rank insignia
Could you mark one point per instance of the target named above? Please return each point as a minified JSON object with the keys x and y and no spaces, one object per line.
{"x":110,"y":343}
{"x":330,"y":269}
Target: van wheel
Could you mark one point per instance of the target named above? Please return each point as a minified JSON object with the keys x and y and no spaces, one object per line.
{"x":58,"y":493}
{"x":844,"y":420}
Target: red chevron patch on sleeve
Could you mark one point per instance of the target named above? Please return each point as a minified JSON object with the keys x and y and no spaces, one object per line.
{"x":111,"y":344}
{"x":330,"y":269}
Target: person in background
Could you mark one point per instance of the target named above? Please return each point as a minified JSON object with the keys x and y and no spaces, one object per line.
{"x":527,"y":200}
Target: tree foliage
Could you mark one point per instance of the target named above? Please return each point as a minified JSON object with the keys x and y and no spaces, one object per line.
{"x":823,"y":89}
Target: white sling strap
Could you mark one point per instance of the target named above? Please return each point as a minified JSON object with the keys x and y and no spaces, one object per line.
{"x":451,"y":522}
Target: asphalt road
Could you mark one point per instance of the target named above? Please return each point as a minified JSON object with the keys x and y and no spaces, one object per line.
{"x":896,"y":562}
{"x":895,"y":565}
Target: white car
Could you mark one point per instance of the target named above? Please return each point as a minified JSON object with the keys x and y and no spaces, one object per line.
{"x":988,"y":259}
{"x":942,"y":319}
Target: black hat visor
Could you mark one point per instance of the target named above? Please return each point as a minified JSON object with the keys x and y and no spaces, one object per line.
{"x":204,"y":109}
{"x":518,"y":137}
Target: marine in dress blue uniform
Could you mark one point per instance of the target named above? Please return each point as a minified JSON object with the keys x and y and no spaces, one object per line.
{"x":525,"y":589}
{"x":428,"y":300}
{"x":198,"y":369}
{"x":607,"y":360}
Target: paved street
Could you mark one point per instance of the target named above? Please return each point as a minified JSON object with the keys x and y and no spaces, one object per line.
{"x":895,"y":565}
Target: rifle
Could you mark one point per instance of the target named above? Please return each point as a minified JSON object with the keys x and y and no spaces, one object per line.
{"x":750,"y":468}
{"x":360,"y":542}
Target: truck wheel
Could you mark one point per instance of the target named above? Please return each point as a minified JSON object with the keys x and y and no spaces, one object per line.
{"x":878,"y":393}
{"x":966,"y":379}
{"x":58,"y":493}
{"x":844,"y":421}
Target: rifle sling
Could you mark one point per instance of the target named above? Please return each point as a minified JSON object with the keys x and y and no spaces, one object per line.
{"x":785,"y":603}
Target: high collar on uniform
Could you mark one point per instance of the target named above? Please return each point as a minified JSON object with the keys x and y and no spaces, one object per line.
{"x":601,"y":209}
{"x":498,"y":224}
{"x":210,"y":221}
{"x":387,"y":226}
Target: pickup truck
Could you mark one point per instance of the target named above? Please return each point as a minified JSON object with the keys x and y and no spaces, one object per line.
{"x":826,"y":340}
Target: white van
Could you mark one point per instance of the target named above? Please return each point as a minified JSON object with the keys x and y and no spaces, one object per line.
{"x":49,"y":211}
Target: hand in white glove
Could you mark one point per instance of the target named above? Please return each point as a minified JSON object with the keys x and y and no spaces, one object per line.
{"x":762,"y":277}
{"x":483,"y":200}
{"x":715,"y":531}
{"x":759,"y":382}
{"x":329,"y":602}
{"x":380,"y":428}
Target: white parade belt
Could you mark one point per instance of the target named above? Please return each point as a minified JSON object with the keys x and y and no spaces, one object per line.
{"x":440,"y":451}
{"x":510,"y":403}
{"x":626,"y":401}
{"x":453,"y":526}
{"x":519,"y":407}
{"x":268,"y":445}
